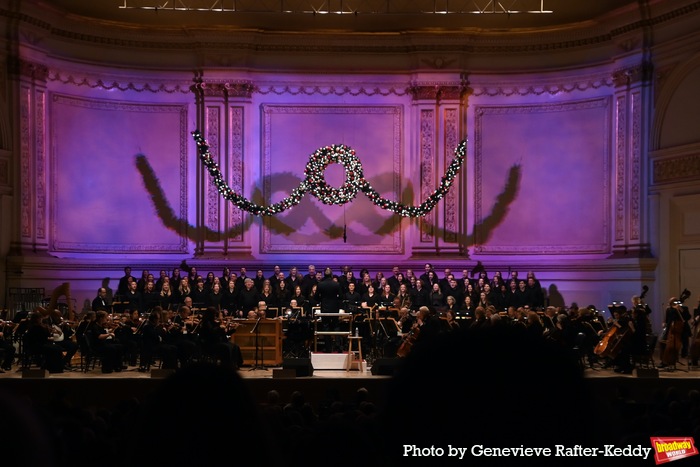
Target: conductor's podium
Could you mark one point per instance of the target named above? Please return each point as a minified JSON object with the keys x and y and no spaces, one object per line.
{"x":330,"y":361}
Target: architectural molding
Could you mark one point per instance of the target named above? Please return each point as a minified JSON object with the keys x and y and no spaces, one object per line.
{"x":225,"y":89}
{"x":634,"y":74}
{"x":395,"y":244}
{"x":480,"y":245}
{"x":674,"y":169}
{"x":212,"y":197}
{"x":236,"y":166}
{"x":551,"y":86}
{"x":450,"y":206}
{"x":620,"y":165}
{"x":116,"y":82}
{"x":436,"y":92}
{"x":181,"y":246}
{"x":332,"y":90}
{"x":427,"y":164}
{"x":440,"y":48}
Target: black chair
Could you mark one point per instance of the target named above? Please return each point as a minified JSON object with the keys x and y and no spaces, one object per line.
{"x":30,"y":355}
{"x":88,"y":357}
{"x":646,"y":359}
{"x":581,"y":350}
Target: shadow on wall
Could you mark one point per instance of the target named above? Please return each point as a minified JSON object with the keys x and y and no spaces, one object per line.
{"x":165,"y":211}
{"x":484,"y":229}
{"x":554,"y":296}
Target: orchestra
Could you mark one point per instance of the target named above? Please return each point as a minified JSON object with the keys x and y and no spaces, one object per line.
{"x":385,"y":316}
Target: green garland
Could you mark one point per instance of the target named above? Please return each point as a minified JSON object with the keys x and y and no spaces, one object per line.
{"x":315,"y":182}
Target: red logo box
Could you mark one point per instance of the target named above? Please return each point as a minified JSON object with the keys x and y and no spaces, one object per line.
{"x":672,"y":448}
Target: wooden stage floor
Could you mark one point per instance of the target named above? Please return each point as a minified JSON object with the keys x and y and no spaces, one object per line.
{"x":95,"y":388}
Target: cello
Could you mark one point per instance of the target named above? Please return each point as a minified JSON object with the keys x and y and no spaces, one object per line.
{"x":611,"y":343}
{"x":408,"y":341}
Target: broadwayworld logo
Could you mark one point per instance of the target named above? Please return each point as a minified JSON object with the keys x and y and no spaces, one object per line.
{"x":672,"y":449}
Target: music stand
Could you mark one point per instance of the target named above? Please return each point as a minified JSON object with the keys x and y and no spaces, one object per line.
{"x":256,"y":330}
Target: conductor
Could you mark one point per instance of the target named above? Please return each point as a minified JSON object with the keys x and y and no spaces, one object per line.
{"x":329,"y":296}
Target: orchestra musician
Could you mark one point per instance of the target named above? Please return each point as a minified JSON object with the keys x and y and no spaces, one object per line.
{"x":428,"y":325}
{"x":480,"y":320}
{"x":214,"y":337}
{"x":154,"y":344}
{"x":39,"y":342}
{"x":103,"y":341}
{"x":405,"y":322}
{"x":640,"y":320}
{"x":83,"y":330}
{"x":623,"y":321}
{"x":549,"y":318}
{"x":644,"y":310}
{"x":674,"y":324}
{"x":534,"y":325}
{"x":183,"y":334}
{"x":7,"y":350}
{"x":125,"y":327}
{"x":63,"y":333}
{"x":695,"y":337}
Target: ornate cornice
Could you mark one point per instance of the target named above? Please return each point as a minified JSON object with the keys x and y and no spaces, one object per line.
{"x":120,"y":84}
{"x":330,"y":89}
{"x":581,"y":83}
{"x":28,"y":69}
{"x":462,"y":41}
{"x":676,"y":169}
{"x":436,"y":92}
{"x":240,"y":88}
{"x":628,"y":76}
{"x":668,"y":16}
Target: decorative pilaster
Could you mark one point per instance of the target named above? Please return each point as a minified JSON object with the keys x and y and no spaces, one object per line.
{"x":438,"y":107}
{"x":221,"y":110}
{"x":632,"y":99}
{"x":33,"y":209}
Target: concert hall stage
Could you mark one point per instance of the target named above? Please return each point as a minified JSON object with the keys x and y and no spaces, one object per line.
{"x":94,"y":389}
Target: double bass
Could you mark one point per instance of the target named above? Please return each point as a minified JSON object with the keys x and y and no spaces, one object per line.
{"x":675,"y":324}
{"x":695,"y":339}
